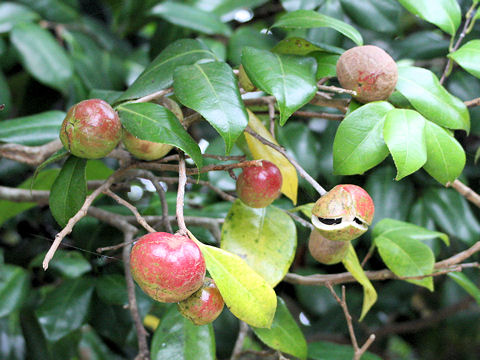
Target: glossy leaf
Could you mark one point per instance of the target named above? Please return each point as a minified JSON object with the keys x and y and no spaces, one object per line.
{"x":446,"y":14}
{"x":69,"y":190}
{"x":284,"y":335}
{"x":323,"y":350}
{"x":65,"y":308}
{"x":70,"y":264}
{"x":468,"y":57}
{"x":467,"y":284}
{"x":265,"y":238}
{"x":404,"y":133}
{"x":211,"y":89}
{"x":155,"y":123}
{"x":381,"y":16}
{"x":60,"y":154}
{"x":41,"y":55}
{"x":445,"y":156}
{"x":32,"y":130}
{"x":422,"y":88}
{"x":351,"y":263}
{"x":326,"y":65}
{"x":159,"y":74}
{"x":12,"y":13}
{"x":300,"y":46}
{"x":14,"y":287}
{"x":247,"y":36}
{"x":422,"y":45}
{"x":179,"y":339}
{"x":260,"y":151}
{"x":407,"y":257}
{"x":191,"y":17}
{"x":359,"y":144}
{"x":112,"y":289}
{"x":290,"y":79}
{"x":246,"y":294}
{"x":292,"y":5}
{"x":306,"y":19}
{"x":92,"y":344}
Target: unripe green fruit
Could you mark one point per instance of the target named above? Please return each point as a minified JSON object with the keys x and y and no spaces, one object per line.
{"x":204,"y":306}
{"x":167,"y":267}
{"x":326,"y":251}
{"x":369,"y":71}
{"x":344,"y":213}
{"x":91,"y":129}
{"x":144,"y":149}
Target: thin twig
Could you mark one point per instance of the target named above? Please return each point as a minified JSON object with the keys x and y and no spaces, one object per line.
{"x":220,"y":192}
{"x":31,"y":155}
{"x":194,"y":171}
{"x":473,"y":102}
{"x":271,"y":115}
{"x":282,"y":151}
{"x":154,"y":96}
{"x":336,"y":89}
{"x":466,"y":192}
{"x":242,"y":333}
{"x":182,"y":180}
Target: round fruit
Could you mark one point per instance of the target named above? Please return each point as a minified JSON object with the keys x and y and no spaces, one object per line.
{"x":91,"y":129}
{"x":369,"y":71}
{"x":168,"y":268}
{"x":344,"y":213}
{"x":326,"y":251}
{"x":204,"y":306}
{"x":144,"y":149}
{"x":258,"y":186}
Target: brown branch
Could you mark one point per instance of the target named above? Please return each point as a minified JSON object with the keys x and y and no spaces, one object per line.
{"x":473,"y":102}
{"x":31,"y":155}
{"x":163,"y":200}
{"x":23,"y":195}
{"x":271,"y":115}
{"x":221,"y":193}
{"x":466,"y":192}
{"x":282,"y":151}
{"x":153,"y":96}
{"x":182,"y":180}
{"x":242,"y":334}
{"x":336,"y":89}
{"x":194,"y":171}
{"x":321,"y":100}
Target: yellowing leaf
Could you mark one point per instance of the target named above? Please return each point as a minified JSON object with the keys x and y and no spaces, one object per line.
{"x":246,"y":294}
{"x":352,"y":264}
{"x":264,"y":152}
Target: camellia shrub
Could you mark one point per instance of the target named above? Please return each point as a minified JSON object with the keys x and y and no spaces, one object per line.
{"x":239,"y":179}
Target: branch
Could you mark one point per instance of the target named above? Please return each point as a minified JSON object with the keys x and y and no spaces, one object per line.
{"x":153,"y":96}
{"x":149,"y":165}
{"x":24,"y":195}
{"x":242,"y":333}
{"x":466,"y":192}
{"x":282,"y":151}
{"x":473,"y":102}
{"x":221,"y":193}
{"x":163,"y":201}
{"x":182,"y":180}
{"x":336,"y":89}
{"x":31,"y":155}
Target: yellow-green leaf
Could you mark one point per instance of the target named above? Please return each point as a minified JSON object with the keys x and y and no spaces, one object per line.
{"x":352,"y":264}
{"x":264,"y":152}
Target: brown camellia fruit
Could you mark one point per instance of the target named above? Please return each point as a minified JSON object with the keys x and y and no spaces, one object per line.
{"x":326,"y":251}
{"x":368,"y":70}
{"x":91,"y":129}
{"x":144,"y":149}
{"x":344,"y":213}
{"x":168,"y":268}
{"x":204,"y":306}
{"x":258,"y":186}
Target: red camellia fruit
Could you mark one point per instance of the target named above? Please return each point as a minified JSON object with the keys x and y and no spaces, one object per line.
{"x":368,"y":70}
{"x":258,"y":186}
{"x":91,"y":129}
{"x":204,"y":306}
{"x":168,"y":268}
{"x":344,"y":213}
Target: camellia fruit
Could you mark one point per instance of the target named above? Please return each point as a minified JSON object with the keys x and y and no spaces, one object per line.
{"x":258,"y":186}
{"x":204,"y":306}
{"x":344,"y":213}
{"x":326,"y":251}
{"x":144,"y":149}
{"x":369,"y":71}
{"x":91,"y":129}
{"x":168,"y":268}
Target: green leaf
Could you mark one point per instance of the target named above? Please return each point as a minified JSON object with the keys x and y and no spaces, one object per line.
{"x":467,"y":284}
{"x":69,"y":190}
{"x":65,"y":308}
{"x":452,"y":214}
{"x":300,"y":46}
{"x":247,"y":36}
{"x":284,"y":335}
{"x":42,"y":56}
{"x":9,"y":209}
{"x":266,"y":239}
{"x":381,"y":16}
{"x":92,"y":344}
{"x":12,"y":13}
{"x":290,"y":79}
{"x":306,"y":209}
{"x":112,"y":289}
{"x":70,"y":264}
{"x":351,"y":263}
{"x":153,"y":122}
{"x":32,"y":130}
{"x":179,"y":339}
{"x":292,"y":5}
{"x":211,"y":89}
{"x":307,"y":19}
{"x":5,"y":94}
{"x":404,"y":134}
{"x":14,"y":288}
{"x":60,"y":154}
{"x":445,"y":156}
{"x":422,"y":88}
{"x":405,"y":256}
{"x":468,"y":57}
{"x":13,"y":341}
{"x":191,"y":18}
{"x":446,"y":14}
{"x":246,"y":294}
{"x":326,"y":65}
{"x":395,"y":229}
{"x":323,"y":350}
{"x":159,"y":74}
{"x":359,"y":144}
